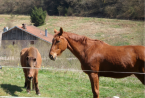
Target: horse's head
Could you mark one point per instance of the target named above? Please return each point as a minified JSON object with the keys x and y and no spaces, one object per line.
{"x":59,"y":44}
{"x":31,"y":62}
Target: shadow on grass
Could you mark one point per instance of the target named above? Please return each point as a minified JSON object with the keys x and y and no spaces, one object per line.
{"x":11,"y":89}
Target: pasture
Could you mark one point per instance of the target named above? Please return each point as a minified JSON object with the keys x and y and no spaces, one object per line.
{"x":112,"y":31}
{"x":66,"y":83}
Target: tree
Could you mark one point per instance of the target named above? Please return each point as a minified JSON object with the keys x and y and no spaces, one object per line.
{"x":38,"y":16}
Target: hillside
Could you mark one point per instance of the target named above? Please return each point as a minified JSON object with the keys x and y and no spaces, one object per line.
{"x":112,"y":31}
{"x":120,"y":9}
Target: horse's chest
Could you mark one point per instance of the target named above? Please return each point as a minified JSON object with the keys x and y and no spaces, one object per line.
{"x":92,"y":62}
{"x":89,"y":66}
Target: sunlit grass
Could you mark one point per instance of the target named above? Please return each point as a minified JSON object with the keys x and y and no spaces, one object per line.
{"x":67,"y":84}
{"x":64,"y":84}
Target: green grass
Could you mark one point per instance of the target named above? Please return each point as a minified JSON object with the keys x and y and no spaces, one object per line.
{"x":68,"y":84}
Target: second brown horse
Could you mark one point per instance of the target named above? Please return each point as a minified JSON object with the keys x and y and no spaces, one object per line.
{"x":31,"y":58}
{"x":96,"y":56}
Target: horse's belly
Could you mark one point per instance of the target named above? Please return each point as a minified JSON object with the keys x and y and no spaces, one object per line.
{"x":114,"y":74}
{"x":116,"y":70}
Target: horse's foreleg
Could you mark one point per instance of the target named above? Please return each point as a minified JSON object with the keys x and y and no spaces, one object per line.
{"x":25,"y":74}
{"x":28,"y":86}
{"x":94,"y":79}
{"x":33,"y":84}
{"x":36,"y":84}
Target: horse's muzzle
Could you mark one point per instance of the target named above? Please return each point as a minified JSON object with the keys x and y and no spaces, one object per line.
{"x":30,"y":78}
{"x":52,"y":57}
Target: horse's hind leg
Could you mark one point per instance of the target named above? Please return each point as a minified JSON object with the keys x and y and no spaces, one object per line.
{"x":141,"y":77}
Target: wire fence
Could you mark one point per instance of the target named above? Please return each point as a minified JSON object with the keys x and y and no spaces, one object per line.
{"x":67,"y":83}
{"x":73,"y":70}
{"x":64,"y":78}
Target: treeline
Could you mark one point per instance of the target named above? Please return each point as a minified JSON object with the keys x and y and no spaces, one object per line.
{"x":123,"y":9}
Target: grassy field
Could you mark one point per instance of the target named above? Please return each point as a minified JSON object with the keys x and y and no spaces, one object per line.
{"x":112,"y":31}
{"x":68,"y":84}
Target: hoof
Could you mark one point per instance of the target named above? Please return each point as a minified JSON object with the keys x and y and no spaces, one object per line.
{"x":28,"y":91}
{"x":38,"y":93}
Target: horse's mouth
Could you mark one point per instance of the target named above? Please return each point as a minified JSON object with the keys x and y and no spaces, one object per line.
{"x":53,"y":57}
{"x":30,"y":78}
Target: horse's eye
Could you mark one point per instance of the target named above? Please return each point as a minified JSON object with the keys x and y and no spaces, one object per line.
{"x":34,"y":60}
{"x":57,"y":41}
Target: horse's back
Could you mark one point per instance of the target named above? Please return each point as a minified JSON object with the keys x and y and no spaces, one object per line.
{"x":138,"y":52}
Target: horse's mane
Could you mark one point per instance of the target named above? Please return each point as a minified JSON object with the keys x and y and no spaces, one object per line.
{"x":81,"y":38}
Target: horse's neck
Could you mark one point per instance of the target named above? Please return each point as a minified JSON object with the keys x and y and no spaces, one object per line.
{"x":77,"y":44}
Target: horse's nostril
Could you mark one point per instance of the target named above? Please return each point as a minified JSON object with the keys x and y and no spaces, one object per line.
{"x":51,"y":57}
{"x":30,"y":78}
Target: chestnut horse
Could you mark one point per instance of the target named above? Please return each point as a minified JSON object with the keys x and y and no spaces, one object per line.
{"x":31,"y":58}
{"x":96,"y":55}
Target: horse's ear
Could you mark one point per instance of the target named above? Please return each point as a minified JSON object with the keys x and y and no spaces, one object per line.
{"x":55,"y":31}
{"x":61,"y":31}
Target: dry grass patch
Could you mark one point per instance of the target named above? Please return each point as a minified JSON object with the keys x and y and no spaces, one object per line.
{"x":108,"y":30}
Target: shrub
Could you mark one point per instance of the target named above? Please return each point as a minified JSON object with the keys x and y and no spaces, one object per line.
{"x":38,"y":16}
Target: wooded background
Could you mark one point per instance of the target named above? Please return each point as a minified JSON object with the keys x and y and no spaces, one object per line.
{"x":121,"y":9}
